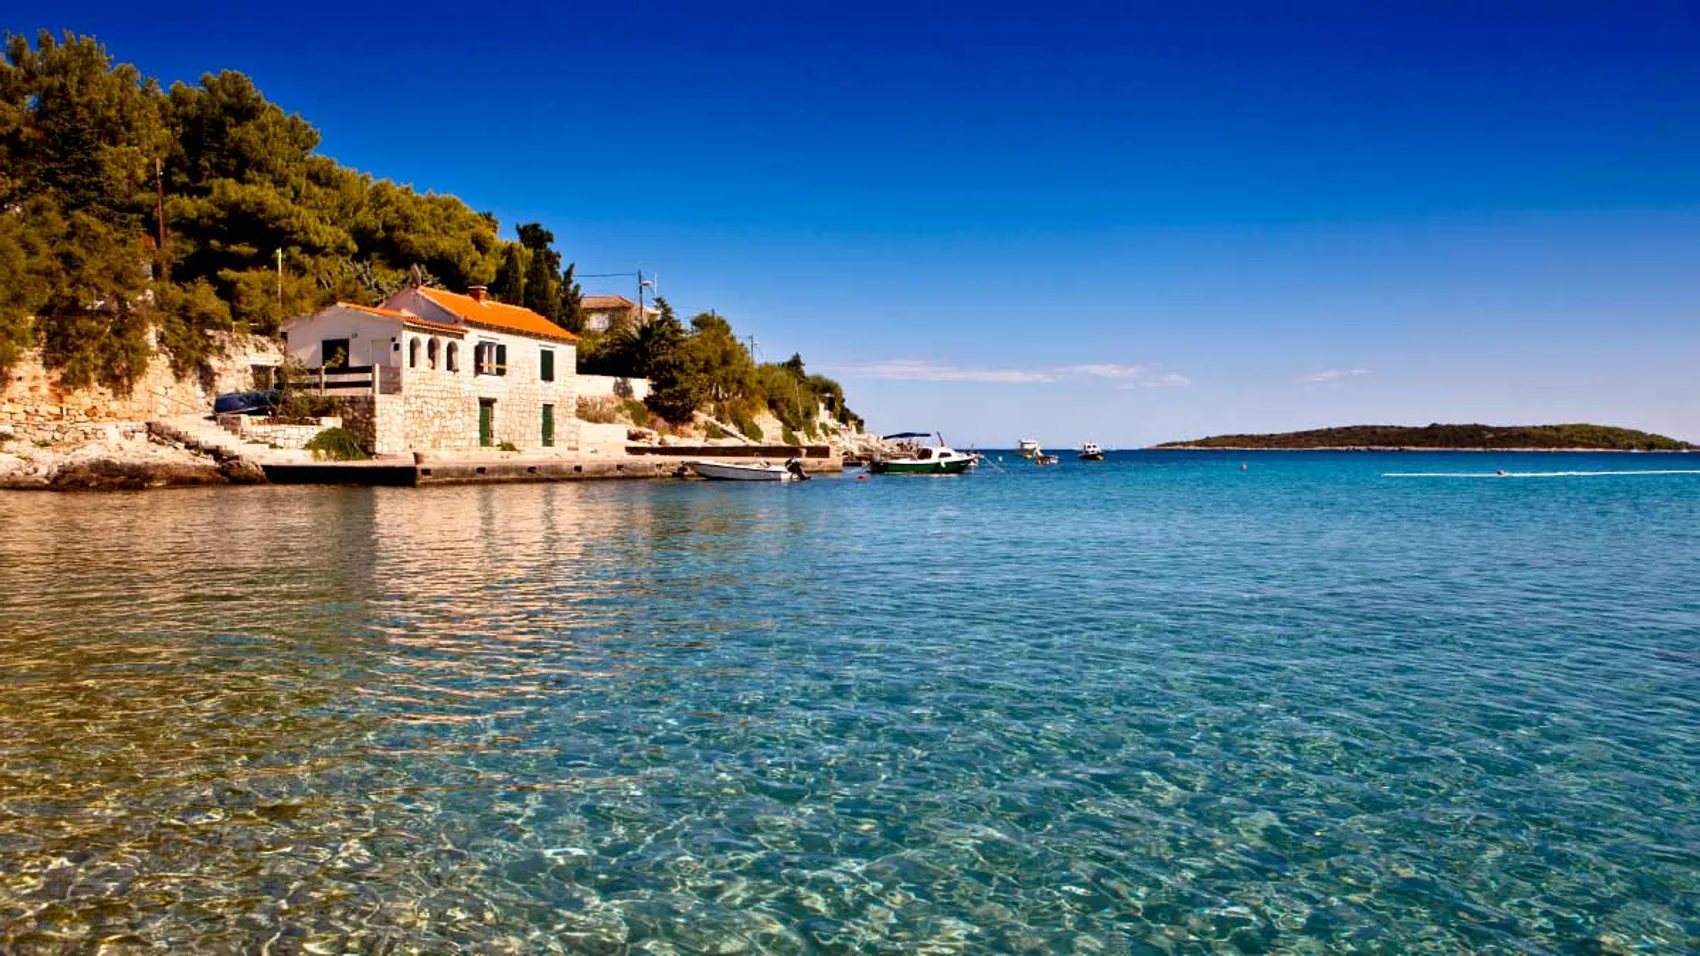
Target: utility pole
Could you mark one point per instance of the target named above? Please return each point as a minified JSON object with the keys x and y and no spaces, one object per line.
{"x":159,"y":210}
{"x":280,"y":284}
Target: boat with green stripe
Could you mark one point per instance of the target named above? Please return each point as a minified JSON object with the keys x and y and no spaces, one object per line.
{"x":939,"y":459}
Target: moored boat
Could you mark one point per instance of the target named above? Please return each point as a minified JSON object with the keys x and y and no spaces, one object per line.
{"x":1027,"y":447}
{"x":1044,"y":459}
{"x":1091,"y":452}
{"x":939,"y":459}
{"x":739,"y":471}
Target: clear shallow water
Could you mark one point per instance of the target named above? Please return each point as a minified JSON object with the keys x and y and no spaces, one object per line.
{"x":1149,"y":705}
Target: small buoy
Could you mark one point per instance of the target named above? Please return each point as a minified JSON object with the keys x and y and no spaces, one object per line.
{"x":861,"y":477}
{"x":1242,"y":466}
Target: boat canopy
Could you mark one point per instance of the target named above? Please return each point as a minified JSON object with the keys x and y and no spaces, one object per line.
{"x":904,"y":435}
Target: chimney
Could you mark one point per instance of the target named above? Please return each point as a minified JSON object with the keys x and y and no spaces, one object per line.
{"x":477,"y":293}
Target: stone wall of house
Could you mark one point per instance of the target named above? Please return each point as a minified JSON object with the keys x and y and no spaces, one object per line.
{"x":377,"y":422}
{"x":441,"y":407}
{"x":597,"y":386}
{"x":37,"y":408}
{"x":440,"y":413}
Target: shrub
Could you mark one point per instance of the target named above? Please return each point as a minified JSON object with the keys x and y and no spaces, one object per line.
{"x":714,"y":431}
{"x":600,"y":410}
{"x":637,"y":411}
{"x":809,"y":429}
{"x":507,"y":446}
{"x":337,"y":444}
{"x":748,"y":426}
{"x":788,"y":436}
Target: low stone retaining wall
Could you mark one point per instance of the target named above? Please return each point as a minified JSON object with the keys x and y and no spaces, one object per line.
{"x":280,"y":434}
{"x":68,"y":433}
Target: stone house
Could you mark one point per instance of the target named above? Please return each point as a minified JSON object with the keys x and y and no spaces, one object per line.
{"x":431,"y":370}
{"x":603,"y":312}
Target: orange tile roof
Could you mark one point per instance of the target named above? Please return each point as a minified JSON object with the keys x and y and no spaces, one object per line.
{"x":498,"y":315}
{"x":416,"y":321}
{"x":407,"y":318}
{"x":387,"y":313}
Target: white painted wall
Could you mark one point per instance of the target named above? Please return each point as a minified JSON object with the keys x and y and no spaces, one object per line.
{"x":597,"y":386}
{"x":372,"y":339}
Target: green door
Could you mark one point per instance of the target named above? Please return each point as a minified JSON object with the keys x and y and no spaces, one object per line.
{"x":548,"y":426}
{"x":486,"y":421}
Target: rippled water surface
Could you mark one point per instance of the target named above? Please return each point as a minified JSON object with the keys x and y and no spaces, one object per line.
{"x":1152,"y":705}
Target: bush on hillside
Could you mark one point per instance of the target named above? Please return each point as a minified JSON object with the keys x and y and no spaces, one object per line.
{"x":337,"y":444}
{"x":599,"y":409}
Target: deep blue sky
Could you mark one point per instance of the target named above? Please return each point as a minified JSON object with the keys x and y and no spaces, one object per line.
{"x":1123,"y":222}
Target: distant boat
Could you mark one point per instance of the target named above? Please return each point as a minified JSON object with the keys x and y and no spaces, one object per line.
{"x":1044,"y":459}
{"x":729,"y":471}
{"x":1027,"y":448}
{"x":1091,"y":452}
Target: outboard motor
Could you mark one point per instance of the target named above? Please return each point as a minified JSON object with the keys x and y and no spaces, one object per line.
{"x":795,"y":467}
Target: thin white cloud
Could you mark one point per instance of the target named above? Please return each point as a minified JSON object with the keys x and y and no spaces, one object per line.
{"x":921,"y":370}
{"x":925,"y":370}
{"x":1166,"y":380}
{"x":1329,"y":375}
{"x":1107,"y":370}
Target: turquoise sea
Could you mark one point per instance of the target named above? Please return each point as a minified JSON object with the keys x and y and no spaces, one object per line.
{"x":1153,"y":705}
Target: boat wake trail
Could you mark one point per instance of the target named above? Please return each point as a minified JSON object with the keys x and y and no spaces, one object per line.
{"x":1539,"y":474}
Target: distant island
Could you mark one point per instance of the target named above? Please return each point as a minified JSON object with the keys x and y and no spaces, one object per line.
{"x":1450,"y":438}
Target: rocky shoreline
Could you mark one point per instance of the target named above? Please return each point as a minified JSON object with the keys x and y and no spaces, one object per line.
{"x":128,"y":457}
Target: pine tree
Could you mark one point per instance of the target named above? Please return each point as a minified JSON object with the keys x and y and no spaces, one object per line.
{"x":540,"y":280}
{"x":509,"y":286}
{"x":570,"y":314}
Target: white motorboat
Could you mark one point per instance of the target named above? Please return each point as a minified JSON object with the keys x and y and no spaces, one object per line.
{"x":1027,"y":447}
{"x":755,"y":471}
{"x":1091,"y":452}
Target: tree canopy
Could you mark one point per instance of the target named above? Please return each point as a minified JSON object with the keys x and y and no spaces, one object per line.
{"x":92,"y":153}
{"x":132,"y":215}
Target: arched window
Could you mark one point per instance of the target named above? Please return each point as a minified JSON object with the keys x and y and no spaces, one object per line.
{"x":432,"y":351}
{"x":451,"y":357}
{"x":413,"y":352}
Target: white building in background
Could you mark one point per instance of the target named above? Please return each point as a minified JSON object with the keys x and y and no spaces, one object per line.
{"x":434,"y":370}
{"x":603,"y":312}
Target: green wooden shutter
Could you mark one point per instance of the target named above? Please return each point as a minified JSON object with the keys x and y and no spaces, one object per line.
{"x":548,"y":426}
{"x":501,"y":359}
{"x":546,"y":369}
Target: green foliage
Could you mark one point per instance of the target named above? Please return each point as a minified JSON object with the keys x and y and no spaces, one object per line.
{"x":636,"y":411}
{"x":336,"y":444}
{"x":80,"y":142}
{"x":1451,"y":436}
{"x":507,"y":446}
{"x":715,"y":431}
{"x":787,"y":436}
{"x":509,"y":286}
{"x":598,"y":409}
{"x":570,"y":313}
{"x":540,"y":295}
{"x":185,"y":314}
{"x":748,"y":427}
